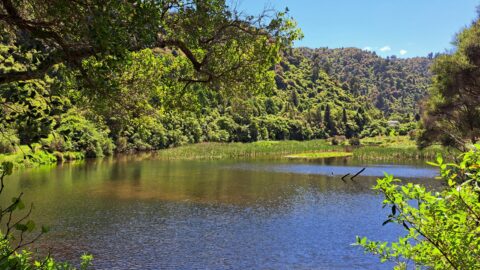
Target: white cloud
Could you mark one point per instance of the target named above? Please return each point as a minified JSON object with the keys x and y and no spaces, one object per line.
{"x":403,"y":52}
{"x":368,"y":49}
{"x":385,"y":49}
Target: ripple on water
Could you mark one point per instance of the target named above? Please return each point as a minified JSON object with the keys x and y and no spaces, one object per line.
{"x":337,"y":170}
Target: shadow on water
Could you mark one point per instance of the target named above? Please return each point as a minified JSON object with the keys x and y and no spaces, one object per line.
{"x":143,"y":213}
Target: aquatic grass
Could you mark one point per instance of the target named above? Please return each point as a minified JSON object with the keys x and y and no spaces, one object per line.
{"x":271,"y":149}
{"x":320,"y":155}
{"x":388,"y":148}
{"x":397,"y":152}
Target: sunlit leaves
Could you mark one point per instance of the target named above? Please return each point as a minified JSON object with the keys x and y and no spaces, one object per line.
{"x":442,"y":227}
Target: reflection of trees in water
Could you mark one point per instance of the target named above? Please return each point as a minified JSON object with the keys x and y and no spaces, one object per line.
{"x":186,"y":180}
{"x":206,"y":182}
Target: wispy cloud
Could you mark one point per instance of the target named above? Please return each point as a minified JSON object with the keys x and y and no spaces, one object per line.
{"x":368,"y":49}
{"x":403,"y":52}
{"x":385,"y":49}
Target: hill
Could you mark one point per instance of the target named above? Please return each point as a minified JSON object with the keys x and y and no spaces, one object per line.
{"x":394,"y":85}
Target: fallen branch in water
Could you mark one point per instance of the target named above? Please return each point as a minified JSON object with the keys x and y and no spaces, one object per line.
{"x":358,"y":173}
{"x":343,"y":177}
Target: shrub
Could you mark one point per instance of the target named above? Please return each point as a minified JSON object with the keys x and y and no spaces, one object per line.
{"x":8,"y":140}
{"x":441,"y":227}
{"x":278,"y":127}
{"x":81,"y":135}
{"x":334,"y":141}
{"x":146,"y":133}
{"x":354,"y":141}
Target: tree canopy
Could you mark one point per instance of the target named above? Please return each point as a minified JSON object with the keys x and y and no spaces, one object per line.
{"x":452,"y":112}
{"x":114,"y":54}
{"x":219,"y":42}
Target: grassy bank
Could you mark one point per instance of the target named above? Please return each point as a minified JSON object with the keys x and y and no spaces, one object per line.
{"x":244,"y":150}
{"x":320,"y":155}
{"x":379,"y":148}
{"x":391,"y":148}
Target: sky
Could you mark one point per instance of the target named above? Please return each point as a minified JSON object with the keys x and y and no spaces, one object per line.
{"x":405,"y":28}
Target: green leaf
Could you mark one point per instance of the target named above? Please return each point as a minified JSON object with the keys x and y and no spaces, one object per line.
{"x":439,"y":159}
{"x":45,"y":229}
{"x":20,"y":205}
{"x":21,"y":227}
{"x":30,"y":225}
{"x":432,"y":164}
{"x":387,"y":221}
{"x":7,"y":167}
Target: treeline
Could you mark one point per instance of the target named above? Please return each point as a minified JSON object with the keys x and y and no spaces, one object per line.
{"x":302,"y":98}
{"x":394,"y":85}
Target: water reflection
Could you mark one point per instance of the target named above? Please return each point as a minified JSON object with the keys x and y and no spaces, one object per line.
{"x":150,"y":214}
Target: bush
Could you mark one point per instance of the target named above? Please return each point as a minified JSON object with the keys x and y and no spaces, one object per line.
{"x":334,"y":141}
{"x":145,"y":133}
{"x":441,"y":228}
{"x":354,"y":141}
{"x":77,"y":134}
{"x":8,"y":140}
{"x":278,"y":127}
{"x":338,"y":140}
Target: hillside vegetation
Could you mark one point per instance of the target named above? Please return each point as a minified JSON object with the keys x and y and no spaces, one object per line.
{"x":310,"y":94}
{"x":394,"y":85}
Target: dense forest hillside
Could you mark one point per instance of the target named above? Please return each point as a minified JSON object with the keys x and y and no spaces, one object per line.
{"x":394,"y":85}
{"x":310,"y":94}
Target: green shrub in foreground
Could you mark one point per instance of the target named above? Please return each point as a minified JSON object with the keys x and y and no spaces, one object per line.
{"x":18,"y":231}
{"x":442,"y":227}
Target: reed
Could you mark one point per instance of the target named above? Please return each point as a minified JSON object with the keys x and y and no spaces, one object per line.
{"x":271,"y":149}
{"x":386,"y":148}
{"x":320,"y":155}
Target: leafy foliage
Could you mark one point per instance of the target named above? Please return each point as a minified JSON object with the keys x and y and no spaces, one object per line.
{"x":452,"y":112}
{"x":441,"y":227}
{"x":144,"y":76}
{"x":64,"y":32}
{"x":393,"y":84}
{"x":150,"y":109}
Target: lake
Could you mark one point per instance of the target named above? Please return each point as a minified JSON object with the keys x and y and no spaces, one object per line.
{"x":144,"y":213}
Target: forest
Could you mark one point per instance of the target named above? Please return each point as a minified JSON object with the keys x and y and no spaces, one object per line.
{"x":310,"y":94}
{"x":88,"y":79}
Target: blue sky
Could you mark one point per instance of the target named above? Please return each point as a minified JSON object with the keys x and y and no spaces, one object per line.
{"x":405,"y":28}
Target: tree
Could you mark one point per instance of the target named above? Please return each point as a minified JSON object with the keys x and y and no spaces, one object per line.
{"x":344,"y":116}
{"x":452,"y":112}
{"x":318,"y":117}
{"x":294,"y":98}
{"x":67,"y":32}
{"x":106,"y":53}
{"x":270,"y":106}
{"x":329,"y":121}
{"x":441,"y":228}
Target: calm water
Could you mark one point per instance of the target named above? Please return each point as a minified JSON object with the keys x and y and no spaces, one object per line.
{"x":153,"y":214}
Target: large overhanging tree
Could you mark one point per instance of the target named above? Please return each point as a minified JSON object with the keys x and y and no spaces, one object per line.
{"x":218,"y":40}
{"x":88,"y":44}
